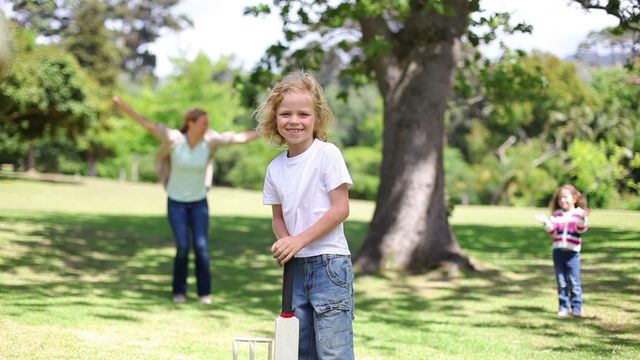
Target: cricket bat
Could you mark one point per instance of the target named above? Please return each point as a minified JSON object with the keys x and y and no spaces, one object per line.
{"x":287,"y":325}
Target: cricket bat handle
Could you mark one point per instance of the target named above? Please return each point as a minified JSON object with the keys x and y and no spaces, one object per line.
{"x":287,"y":289}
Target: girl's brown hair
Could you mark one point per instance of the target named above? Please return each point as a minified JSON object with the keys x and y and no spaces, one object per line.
{"x":191,"y":116}
{"x":580,"y":200}
{"x":298,"y":82}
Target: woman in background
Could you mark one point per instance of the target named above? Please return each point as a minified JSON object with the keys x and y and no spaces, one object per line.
{"x":185,"y":167}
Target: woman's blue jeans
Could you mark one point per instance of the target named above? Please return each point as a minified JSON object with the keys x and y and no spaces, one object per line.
{"x":323,"y":301}
{"x":567,"y":269}
{"x":190,"y":221}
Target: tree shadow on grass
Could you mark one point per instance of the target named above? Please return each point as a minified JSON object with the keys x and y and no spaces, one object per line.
{"x":520,"y":249}
{"x":129,"y":259}
{"x":517,"y":265}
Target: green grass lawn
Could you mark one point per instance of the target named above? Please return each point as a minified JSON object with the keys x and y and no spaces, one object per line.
{"x":85,"y":273}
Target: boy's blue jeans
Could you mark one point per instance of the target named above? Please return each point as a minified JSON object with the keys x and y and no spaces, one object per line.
{"x":323,"y":301}
{"x":567,"y":268}
{"x":190,"y":218}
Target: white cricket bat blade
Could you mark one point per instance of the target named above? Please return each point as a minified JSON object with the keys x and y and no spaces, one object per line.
{"x":287,"y":337}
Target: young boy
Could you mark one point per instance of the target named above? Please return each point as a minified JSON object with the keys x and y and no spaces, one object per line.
{"x":307,"y":188}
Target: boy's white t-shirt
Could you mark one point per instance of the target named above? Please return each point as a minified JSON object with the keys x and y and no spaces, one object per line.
{"x":301,"y":185}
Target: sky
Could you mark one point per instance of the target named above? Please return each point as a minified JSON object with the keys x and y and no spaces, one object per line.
{"x":220,"y":29}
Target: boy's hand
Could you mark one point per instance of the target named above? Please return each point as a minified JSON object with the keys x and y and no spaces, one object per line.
{"x":284,"y":249}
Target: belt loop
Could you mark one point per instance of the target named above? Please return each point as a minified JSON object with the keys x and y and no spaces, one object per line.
{"x":325,"y":259}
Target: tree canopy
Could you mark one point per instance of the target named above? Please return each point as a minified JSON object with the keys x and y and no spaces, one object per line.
{"x":130,"y":24}
{"x":45,"y":92}
{"x":5,"y":44}
{"x":429,"y":121}
{"x":411,"y":50}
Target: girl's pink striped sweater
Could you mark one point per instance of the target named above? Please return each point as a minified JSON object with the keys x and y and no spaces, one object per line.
{"x":566,"y":228}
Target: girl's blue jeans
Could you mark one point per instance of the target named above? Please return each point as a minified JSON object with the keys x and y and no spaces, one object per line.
{"x":567,"y":269}
{"x":323,"y":301}
{"x":190,"y":221}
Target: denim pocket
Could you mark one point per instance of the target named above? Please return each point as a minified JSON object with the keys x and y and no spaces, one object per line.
{"x":339,"y":271}
{"x":333,"y":323}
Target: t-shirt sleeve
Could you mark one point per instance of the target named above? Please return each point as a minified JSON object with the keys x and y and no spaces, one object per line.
{"x":223,"y":138}
{"x":269,"y":192}
{"x":335,"y":170}
{"x":163,"y":133}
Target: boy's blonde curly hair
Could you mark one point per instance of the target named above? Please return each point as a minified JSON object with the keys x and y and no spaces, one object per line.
{"x":298,"y":82}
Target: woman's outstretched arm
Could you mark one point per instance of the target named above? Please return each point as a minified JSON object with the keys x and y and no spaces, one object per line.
{"x":245,"y":137}
{"x":148,"y":124}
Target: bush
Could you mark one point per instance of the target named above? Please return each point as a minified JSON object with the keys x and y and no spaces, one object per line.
{"x":244,"y":166}
{"x":627,"y":201}
{"x":364,"y":167}
{"x":528,"y":184}
{"x":459,"y":178}
{"x":596,"y":169}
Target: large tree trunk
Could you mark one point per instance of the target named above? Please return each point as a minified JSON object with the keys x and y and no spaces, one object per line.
{"x":410,"y":228}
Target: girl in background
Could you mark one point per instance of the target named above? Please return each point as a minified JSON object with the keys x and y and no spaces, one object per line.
{"x":569,"y":220}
